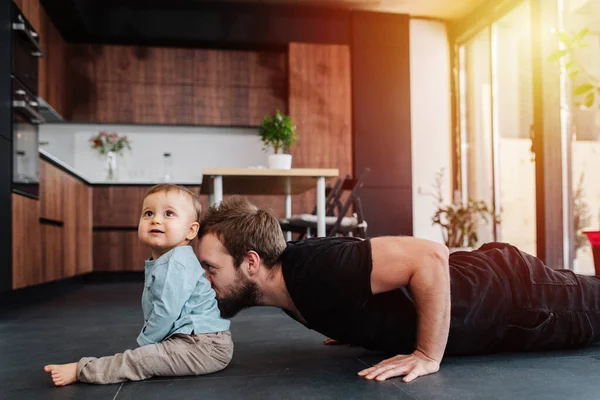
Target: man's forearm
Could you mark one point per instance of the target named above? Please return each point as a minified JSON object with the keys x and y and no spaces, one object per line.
{"x":430,"y":286}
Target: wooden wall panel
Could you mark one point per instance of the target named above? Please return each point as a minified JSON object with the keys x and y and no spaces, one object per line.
{"x":238,"y":87}
{"x":235,"y":105}
{"x":54,"y":84}
{"x":52,"y":252}
{"x":381,"y":117}
{"x":84,"y":228}
{"x":69,"y":187}
{"x":128,"y":102}
{"x":147,"y":65}
{"x":51,"y":196}
{"x":240,"y":68}
{"x":82,"y":91}
{"x":26,"y":247}
{"x":175,"y":86}
{"x":320,"y":104}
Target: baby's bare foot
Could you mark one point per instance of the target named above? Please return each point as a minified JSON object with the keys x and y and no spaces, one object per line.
{"x":62,"y":374}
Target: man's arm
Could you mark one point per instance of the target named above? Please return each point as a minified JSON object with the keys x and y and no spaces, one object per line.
{"x":422,"y":265}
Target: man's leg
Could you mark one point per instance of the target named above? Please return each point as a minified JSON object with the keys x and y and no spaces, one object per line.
{"x":180,"y":355}
{"x":560,"y":309}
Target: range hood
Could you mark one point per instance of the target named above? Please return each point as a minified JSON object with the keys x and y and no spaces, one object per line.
{"x":50,"y":114}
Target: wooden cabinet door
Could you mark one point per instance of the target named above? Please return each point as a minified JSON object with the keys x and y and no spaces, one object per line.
{"x":51,"y":192}
{"x":118,"y":206}
{"x":119,"y":251}
{"x":52,"y":252}
{"x":26,"y":247}
{"x":69,"y":195}
{"x":84,"y":228}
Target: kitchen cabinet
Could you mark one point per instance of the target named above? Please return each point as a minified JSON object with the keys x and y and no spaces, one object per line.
{"x":27,"y":268}
{"x":52,"y":236}
{"x":51,"y":194}
{"x":119,"y":250}
{"x":84,"y":228}
{"x":69,"y":228}
{"x":118,"y":206}
{"x":52,"y":252}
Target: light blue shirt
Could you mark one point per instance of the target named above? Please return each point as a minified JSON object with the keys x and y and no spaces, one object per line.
{"x":178,"y":298}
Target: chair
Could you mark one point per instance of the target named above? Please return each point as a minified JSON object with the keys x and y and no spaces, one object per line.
{"x":332,"y":200}
{"x":339,"y":224}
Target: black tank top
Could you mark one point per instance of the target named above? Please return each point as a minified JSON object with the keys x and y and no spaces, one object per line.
{"x":329,"y":280}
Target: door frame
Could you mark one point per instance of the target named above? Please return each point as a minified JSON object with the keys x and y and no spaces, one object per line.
{"x":553,"y":204}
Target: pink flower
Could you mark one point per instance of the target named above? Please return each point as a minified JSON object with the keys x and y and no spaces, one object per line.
{"x":103,"y":134}
{"x":113,"y":137}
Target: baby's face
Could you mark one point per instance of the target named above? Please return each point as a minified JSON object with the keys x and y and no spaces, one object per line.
{"x":167,"y":221}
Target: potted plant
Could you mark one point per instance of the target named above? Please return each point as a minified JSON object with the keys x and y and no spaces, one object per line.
{"x":459,"y":221}
{"x":278,"y":132}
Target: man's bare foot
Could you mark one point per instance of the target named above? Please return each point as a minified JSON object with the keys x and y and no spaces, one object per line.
{"x":62,"y":374}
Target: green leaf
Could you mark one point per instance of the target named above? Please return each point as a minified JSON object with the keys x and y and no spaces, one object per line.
{"x":565,"y":38}
{"x":557,"y":55}
{"x":589,"y":99}
{"x":573,"y":74}
{"x":568,"y":65}
{"x":580,"y":35}
{"x":583,"y":88}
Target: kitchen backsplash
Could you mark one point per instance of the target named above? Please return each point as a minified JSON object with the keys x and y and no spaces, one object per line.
{"x":191,"y":148}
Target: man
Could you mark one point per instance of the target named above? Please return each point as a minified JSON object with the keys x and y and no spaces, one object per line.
{"x":402,"y":295}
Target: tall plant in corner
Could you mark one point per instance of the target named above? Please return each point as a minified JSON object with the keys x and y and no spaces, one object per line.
{"x":587,"y":90}
{"x":279,"y":133}
{"x":460,"y":220}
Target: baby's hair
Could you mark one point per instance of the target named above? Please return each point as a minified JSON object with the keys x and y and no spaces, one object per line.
{"x":168,"y":187}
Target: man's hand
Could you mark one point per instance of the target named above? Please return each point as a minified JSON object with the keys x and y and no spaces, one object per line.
{"x":411,"y":366}
{"x":331,"y":342}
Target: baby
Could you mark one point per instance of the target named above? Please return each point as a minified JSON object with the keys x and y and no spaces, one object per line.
{"x":183,"y":331}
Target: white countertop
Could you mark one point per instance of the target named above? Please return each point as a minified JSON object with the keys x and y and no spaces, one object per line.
{"x":77,"y":173}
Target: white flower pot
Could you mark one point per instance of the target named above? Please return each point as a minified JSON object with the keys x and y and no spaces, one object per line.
{"x":280,"y":161}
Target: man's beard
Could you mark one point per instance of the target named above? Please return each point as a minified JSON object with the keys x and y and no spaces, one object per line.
{"x":246,"y":294}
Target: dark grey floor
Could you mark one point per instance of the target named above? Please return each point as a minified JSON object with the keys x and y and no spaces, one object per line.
{"x":275,"y":358}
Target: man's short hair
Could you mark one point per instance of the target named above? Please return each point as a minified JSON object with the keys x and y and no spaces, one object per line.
{"x":241,"y":226}
{"x":169,"y":187}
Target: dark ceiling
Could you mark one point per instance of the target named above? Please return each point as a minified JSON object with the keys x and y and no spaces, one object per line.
{"x":197,"y":23}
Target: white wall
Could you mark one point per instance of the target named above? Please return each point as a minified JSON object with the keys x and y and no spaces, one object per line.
{"x":430,"y":119}
{"x":192,"y":148}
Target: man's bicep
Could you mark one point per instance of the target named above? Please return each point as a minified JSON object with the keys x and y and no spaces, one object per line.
{"x":397,"y":258}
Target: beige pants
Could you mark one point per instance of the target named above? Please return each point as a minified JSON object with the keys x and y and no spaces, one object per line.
{"x":179,"y":355}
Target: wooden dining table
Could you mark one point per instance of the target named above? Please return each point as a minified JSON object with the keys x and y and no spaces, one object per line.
{"x":217,"y":182}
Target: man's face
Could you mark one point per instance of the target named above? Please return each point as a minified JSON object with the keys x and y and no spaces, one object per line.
{"x":234,"y":290}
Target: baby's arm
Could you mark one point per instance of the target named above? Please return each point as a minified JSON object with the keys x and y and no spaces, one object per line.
{"x":173,"y":286}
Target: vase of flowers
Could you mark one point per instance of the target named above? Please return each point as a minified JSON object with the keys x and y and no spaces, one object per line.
{"x":110,"y":145}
